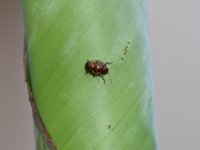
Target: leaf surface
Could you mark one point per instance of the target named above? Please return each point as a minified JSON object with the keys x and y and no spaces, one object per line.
{"x":79,"y":110}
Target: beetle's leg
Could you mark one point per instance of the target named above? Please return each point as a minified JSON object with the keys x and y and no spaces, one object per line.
{"x":93,"y":73}
{"x":108,"y":63}
{"x":88,"y":61}
{"x":104,"y":81}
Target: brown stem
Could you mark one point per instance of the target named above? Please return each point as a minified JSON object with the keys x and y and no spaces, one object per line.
{"x":36,"y":116}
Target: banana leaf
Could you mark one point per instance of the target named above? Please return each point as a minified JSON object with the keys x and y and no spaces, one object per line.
{"x":77,"y":110}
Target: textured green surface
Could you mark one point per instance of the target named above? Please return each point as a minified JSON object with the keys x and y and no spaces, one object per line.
{"x":75,"y":107}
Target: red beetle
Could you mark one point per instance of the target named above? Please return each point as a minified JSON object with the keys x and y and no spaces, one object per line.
{"x":97,"y":68}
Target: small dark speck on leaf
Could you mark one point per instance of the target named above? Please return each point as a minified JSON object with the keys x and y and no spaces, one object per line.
{"x":109,"y":126}
{"x":125,"y":50}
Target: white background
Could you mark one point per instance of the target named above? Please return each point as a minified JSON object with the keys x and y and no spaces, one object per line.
{"x":175,"y":45}
{"x":175,"y":42}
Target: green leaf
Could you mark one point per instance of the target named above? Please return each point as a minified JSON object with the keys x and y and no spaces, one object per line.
{"x":79,"y":111}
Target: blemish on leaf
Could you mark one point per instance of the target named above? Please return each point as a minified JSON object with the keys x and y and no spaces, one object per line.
{"x":125,"y":50}
{"x":109,"y":126}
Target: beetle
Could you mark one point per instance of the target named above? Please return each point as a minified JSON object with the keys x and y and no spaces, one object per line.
{"x":97,"y":68}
